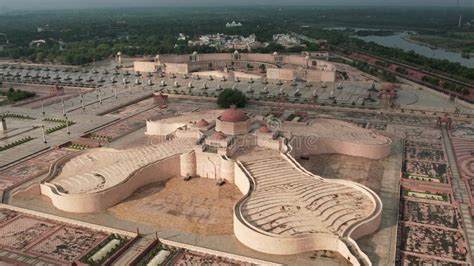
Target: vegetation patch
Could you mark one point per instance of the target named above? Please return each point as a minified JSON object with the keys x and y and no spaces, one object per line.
{"x":159,"y":255}
{"x":15,"y":143}
{"x":16,"y":116}
{"x":102,"y":252}
{"x":230,"y":97}
{"x":14,"y":96}
{"x":62,"y":124}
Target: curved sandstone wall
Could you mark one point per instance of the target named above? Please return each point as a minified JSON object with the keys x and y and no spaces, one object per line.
{"x":96,"y":202}
{"x":275,"y":244}
{"x":304,"y":145}
{"x":227,"y":170}
{"x":188,"y":164}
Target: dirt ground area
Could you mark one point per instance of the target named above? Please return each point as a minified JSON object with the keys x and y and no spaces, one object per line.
{"x":361,"y":170}
{"x":197,"y":206}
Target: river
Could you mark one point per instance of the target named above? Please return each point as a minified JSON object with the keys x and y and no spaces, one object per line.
{"x":399,"y":41}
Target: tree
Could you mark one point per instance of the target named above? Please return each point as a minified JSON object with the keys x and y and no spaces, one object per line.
{"x":229,"y":97}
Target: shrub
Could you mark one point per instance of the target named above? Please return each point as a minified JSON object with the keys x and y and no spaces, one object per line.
{"x":229,"y":97}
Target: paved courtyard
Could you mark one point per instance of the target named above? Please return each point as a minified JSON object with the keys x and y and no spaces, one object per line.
{"x":197,"y":206}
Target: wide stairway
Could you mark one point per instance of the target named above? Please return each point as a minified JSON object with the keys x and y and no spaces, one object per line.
{"x":100,"y":169}
{"x":289,"y":202}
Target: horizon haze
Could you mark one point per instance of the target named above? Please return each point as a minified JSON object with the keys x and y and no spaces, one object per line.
{"x":73,"y":4}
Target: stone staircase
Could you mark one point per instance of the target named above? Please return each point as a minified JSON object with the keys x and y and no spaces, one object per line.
{"x":288,"y":202}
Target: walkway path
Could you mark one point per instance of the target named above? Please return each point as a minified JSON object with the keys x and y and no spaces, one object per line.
{"x":381,"y":246}
{"x":460,"y":192}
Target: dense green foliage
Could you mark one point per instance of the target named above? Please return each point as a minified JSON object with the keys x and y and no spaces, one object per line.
{"x":17,"y":95}
{"x":229,"y":97}
{"x":97,"y":34}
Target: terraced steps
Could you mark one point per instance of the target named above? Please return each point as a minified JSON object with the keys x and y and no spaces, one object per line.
{"x":104,"y":168}
{"x":288,"y":202}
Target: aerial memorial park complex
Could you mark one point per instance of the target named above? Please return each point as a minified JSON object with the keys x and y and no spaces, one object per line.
{"x":136,"y":161}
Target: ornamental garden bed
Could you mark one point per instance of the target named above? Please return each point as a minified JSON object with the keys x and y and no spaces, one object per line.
{"x":429,"y":213}
{"x":426,"y":178}
{"x":102,"y":252}
{"x":15,"y":143}
{"x":159,"y":255}
{"x":437,"y":196}
{"x":418,"y":153}
{"x":428,"y":169}
{"x":16,"y":116}
{"x":449,"y":244}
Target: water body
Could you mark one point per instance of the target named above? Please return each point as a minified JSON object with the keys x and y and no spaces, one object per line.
{"x":399,"y":41}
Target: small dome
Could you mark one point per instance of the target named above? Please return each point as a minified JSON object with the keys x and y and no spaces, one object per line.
{"x":119,"y":53}
{"x":236,"y":52}
{"x":275,"y":53}
{"x":218,"y":136}
{"x":265,"y":130}
{"x":157,"y":56}
{"x":307,"y":57}
{"x":195,"y":53}
{"x":233,"y":115}
{"x":388,"y":86}
{"x":202,"y":123}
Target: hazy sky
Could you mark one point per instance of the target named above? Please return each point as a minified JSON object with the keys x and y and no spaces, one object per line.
{"x":49,"y":4}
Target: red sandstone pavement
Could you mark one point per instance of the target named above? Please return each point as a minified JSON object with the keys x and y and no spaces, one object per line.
{"x":31,"y":168}
{"x":407,"y":223}
{"x":445,"y":203}
{"x":462,"y":149}
{"x":432,"y":257}
{"x":416,"y":75}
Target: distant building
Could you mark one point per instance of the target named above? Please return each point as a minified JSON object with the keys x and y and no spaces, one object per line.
{"x":287,"y":40}
{"x":273,"y":66}
{"x":233,"y":24}
{"x":182,"y":37}
{"x":228,"y":42}
{"x":61,"y":45}
{"x":37,"y":43}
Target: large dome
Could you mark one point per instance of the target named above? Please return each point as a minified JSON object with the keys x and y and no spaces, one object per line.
{"x":233,"y":115}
